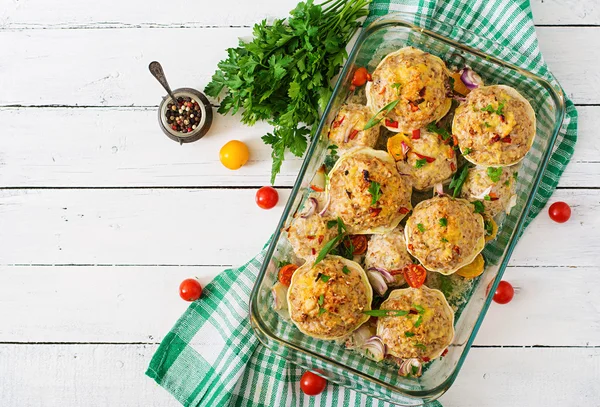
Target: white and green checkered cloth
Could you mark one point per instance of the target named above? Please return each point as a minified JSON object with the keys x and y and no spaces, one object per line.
{"x":211,"y":357}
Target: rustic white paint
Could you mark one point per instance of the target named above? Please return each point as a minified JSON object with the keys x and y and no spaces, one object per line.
{"x":211,"y":227}
{"x":125,"y":147}
{"x":110,"y":67}
{"x":90,"y":53}
{"x":111,"y":375}
{"x":43,"y":14}
{"x":147,"y":295}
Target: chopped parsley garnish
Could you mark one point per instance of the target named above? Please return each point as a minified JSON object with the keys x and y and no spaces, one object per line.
{"x":397,"y":86}
{"x":443,"y":222}
{"x":418,"y":322}
{"x":432,"y":127}
{"x":487,"y":198}
{"x":333,"y":242}
{"x":386,"y":313}
{"x":444,"y":240}
{"x":322,"y":311}
{"x":409,"y":334}
{"x":321,"y":299}
{"x":324,"y":278}
{"x":413,"y":368}
{"x":345,"y":270}
{"x":490,"y":109}
{"x":375,"y":191}
{"x":282,"y":263}
{"x":500,"y":108}
{"x":419,"y":309}
{"x":420,"y":346}
{"x":486,"y":124}
{"x":458,"y":179}
{"x":515,"y":175}
{"x":494,"y":173}
{"x":332,"y":158}
{"x":479,"y":208}
{"x":385,"y":110}
{"x":421,"y":227}
{"x":467,"y":151}
{"x":420,"y":162}
{"x":489,"y":228}
{"x":507,"y":183}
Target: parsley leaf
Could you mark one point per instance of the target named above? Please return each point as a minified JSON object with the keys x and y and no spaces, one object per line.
{"x":494,"y":173}
{"x":420,"y":346}
{"x":420,"y":162}
{"x":385,"y":110}
{"x":487,"y":198}
{"x":479,"y":208}
{"x":324,"y":278}
{"x":322,"y":311}
{"x":321,"y":299}
{"x":458,"y":179}
{"x":345,"y":270}
{"x":486,"y":124}
{"x":488,"y":109}
{"x":386,"y":313}
{"x":467,"y":151}
{"x":283,"y":74}
{"x":432,"y":127}
{"x":443,"y":222}
{"x":418,"y":322}
{"x":489,"y":228}
{"x":421,"y":227}
{"x":375,"y":191}
{"x":419,"y":309}
{"x":444,"y":240}
{"x":409,"y":334}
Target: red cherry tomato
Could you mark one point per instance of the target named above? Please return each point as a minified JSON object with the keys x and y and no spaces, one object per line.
{"x":311,"y":384}
{"x":190,"y":289}
{"x":267,"y":197}
{"x":559,"y":212}
{"x":415,"y":275}
{"x":504,"y":293}
{"x":361,"y":76}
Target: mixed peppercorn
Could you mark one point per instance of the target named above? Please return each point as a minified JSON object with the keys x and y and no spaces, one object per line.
{"x":183,"y":116}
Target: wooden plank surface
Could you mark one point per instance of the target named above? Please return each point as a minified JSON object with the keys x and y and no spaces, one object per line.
{"x":111,"y":65}
{"x":179,"y":227}
{"x":125,"y":147}
{"x":43,"y":14}
{"x":66,"y":297}
{"x":111,"y":375}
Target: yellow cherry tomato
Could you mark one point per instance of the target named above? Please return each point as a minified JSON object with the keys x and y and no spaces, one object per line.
{"x":474,"y":269}
{"x":234,"y":154}
{"x":394,"y":146}
{"x":459,"y":86}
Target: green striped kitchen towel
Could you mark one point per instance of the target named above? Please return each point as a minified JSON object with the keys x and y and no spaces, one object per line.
{"x":211,"y":357}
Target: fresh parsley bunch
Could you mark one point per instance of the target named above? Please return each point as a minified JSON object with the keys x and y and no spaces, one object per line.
{"x":283,"y":75}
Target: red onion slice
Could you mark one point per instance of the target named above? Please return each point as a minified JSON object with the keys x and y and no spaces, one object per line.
{"x":470,"y":78}
{"x":377,"y":282}
{"x":406,"y":367}
{"x":279,"y":292}
{"x":484,"y":193}
{"x":439,"y":189}
{"x":389,"y":279}
{"x":312,"y":204}
{"x":359,"y":337}
{"x":327,"y":202}
{"x":375,"y":348}
{"x":405,"y":148}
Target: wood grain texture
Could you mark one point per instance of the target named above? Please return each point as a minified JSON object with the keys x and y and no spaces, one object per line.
{"x":182,"y":227}
{"x":111,"y":375}
{"x":140,"y":305}
{"x":40,"y":14}
{"x":109,"y":67}
{"x":125,"y":147}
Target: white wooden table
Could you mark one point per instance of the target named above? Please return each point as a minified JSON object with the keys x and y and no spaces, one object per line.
{"x":101,"y":216}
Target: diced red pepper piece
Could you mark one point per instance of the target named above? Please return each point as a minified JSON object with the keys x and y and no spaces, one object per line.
{"x":450,"y":153}
{"x":426,"y":359}
{"x":456,"y":249}
{"x":353,"y":134}
{"x":416,"y":134}
{"x":375,"y":211}
{"x":310,"y":237}
{"x":454,"y":140}
{"x":413,"y":107}
{"x":495,"y":139}
{"x":452,"y":167}
{"x":493,"y":196}
{"x":506,"y":139}
{"x":313,"y":251}
{"x":403,"y":210}
{"x":321,"y":237}
{"x":428,"y":159}
{"x":391,"y":123}
{"x":337,"y":123}
{"x":445,"y":352}
{"x":411,"y":247}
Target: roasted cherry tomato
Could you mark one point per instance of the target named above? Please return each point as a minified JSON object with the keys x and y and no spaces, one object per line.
{"x":559,"y":212}
{"x":359,"y":243}
{"x":286,"y":273}
{"x":234,"y":154}
{"x":504,"y":293}
{"x":267,"y":197}
{"x":361,"y":76}
{"x":415,"y":275}
{"x":190,"y":289}
{"x":311,"y":384}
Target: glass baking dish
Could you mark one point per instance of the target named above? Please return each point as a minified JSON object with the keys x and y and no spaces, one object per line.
{"x":346,"y":367}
